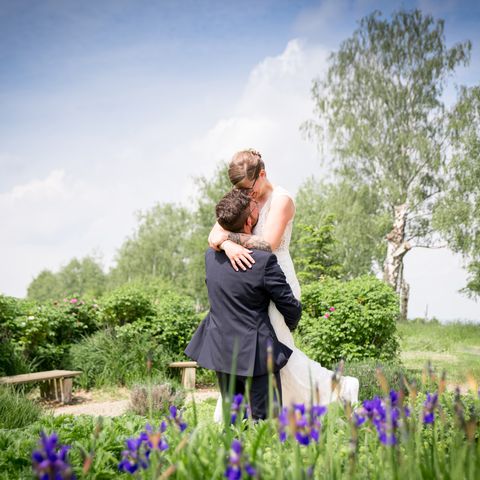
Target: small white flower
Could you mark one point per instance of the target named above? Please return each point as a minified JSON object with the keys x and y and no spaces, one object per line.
{"x":31,"y":317}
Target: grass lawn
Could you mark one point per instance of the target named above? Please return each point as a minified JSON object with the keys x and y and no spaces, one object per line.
{"x":453,"y":347}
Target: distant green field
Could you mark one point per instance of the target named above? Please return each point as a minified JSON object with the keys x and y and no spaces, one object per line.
{"x":454,"y":347}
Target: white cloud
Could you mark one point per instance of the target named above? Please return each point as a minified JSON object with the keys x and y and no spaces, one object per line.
{"x":48,"y":221}
{"x":267,"y":117}
{"x":53,"y":187}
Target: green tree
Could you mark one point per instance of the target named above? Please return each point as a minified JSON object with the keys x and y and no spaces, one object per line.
{"x":457,"y":214}
{"x":157,"y":249}
{"x":78,"y":277}
{"x":315,"y":245}
{"x":45,"y":286}
{"x":82,"y":277}
{"x":359,"y":224}
{"x":381,"y":106}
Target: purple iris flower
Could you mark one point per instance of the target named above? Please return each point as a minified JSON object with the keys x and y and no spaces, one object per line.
{"x":359,"y":419}
{"x":318,"y":410}
{"x":429,"y":407}
{"x":233,"y":473}
{"x":235,"y":407}
{"x":304,"y":424}
{"x":375,"y":411}
{"x":393,"y":398}
{"x":176,"y":417}
{"x":50,"y":460}
{"x":236,"y":463}
{"x":137,"y":454}
{"x":250,"y":470}
{"x":302,"y":438}
{"x":299,"y":407}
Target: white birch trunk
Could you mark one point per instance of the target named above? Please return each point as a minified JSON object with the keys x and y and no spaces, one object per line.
{"x":404,"y":296}
{"x":397,"y":247}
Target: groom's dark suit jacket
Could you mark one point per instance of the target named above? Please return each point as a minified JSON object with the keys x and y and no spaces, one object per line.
{"x":238,"y":319}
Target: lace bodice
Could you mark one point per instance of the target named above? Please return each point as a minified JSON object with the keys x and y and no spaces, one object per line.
{"x":282,"y":252}
{"x":262,"y":218}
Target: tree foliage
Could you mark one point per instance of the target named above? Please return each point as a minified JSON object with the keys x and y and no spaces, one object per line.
{"x":315,"y":246}
{"x":358,"y":219}
{"x":157,"y":248}
{"x":457,"y":214}
{"x":382,"y":103}
{"x":381,"y":107}
{"x":83,"y":277}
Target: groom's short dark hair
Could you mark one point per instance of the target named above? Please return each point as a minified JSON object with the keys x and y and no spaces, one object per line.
{"x":233,"y":210}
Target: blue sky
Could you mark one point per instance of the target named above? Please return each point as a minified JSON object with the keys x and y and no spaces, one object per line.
{"x":110,"y":106}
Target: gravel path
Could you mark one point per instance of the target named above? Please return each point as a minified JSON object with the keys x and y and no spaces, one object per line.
{"x":113,"y":408}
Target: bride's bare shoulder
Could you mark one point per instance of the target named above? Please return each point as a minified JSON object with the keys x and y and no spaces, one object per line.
{"x":282,"y":199}
{"x":279,"y":192}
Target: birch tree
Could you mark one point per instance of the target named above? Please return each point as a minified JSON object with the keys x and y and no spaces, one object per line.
{"x":380,"y":109}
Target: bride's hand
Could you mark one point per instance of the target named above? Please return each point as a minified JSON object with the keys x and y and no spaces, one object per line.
{"x":217,"y":236}
{"x":239,"y":256}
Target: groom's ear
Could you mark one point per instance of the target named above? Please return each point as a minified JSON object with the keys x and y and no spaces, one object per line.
{"x":248,"y":224}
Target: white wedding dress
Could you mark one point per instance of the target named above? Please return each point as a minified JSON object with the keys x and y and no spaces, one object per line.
{"x":300,"y":374}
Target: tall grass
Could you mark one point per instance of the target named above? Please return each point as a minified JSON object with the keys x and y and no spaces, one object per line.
{"x":16,"y":411}
{"x":365,"y":371}
{"x":107,"y":359}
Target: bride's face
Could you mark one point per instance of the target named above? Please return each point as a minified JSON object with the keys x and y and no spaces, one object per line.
{"x":255,"y":187}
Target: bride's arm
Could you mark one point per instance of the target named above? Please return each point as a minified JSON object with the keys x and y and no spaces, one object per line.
{"x":217,"y":236}
{"x":281,"y":212}
{"x":239,"y":256}
{"x":237,"y":245}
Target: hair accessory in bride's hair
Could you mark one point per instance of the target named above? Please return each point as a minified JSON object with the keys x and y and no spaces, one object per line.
{"x":255,"y":152}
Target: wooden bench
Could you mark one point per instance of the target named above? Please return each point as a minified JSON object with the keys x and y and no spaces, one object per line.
{"x":58,"y":386}
{"x":188,"y":372}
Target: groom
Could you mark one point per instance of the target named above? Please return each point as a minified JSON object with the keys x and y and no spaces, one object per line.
{"x":237,"y":333}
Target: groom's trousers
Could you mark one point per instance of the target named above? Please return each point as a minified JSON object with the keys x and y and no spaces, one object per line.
{"x":258,"y":392}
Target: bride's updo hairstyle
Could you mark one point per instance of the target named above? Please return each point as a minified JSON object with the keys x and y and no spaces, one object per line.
{"x":245,"y":165}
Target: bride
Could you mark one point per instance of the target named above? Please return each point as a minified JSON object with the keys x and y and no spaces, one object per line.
{"x":274,"y":226}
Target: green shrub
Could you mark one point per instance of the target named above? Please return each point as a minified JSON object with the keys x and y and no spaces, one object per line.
{"x":171,"y":321}
{"x":44,"y":332}
{"x":366,"y":372}
{"x":127,"y":304}
{"x":206,"y":377}
{"x":363,"y":324}
{"x":10,"y":308}
{"x":16,"y":411}
{"x":175,"y":321}
{"x":155,"y":399}
{"x":11,"y":362}
{"x":106,"y":358}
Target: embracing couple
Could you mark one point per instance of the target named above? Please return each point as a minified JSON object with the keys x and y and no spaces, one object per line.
{"x":254,"y":297}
